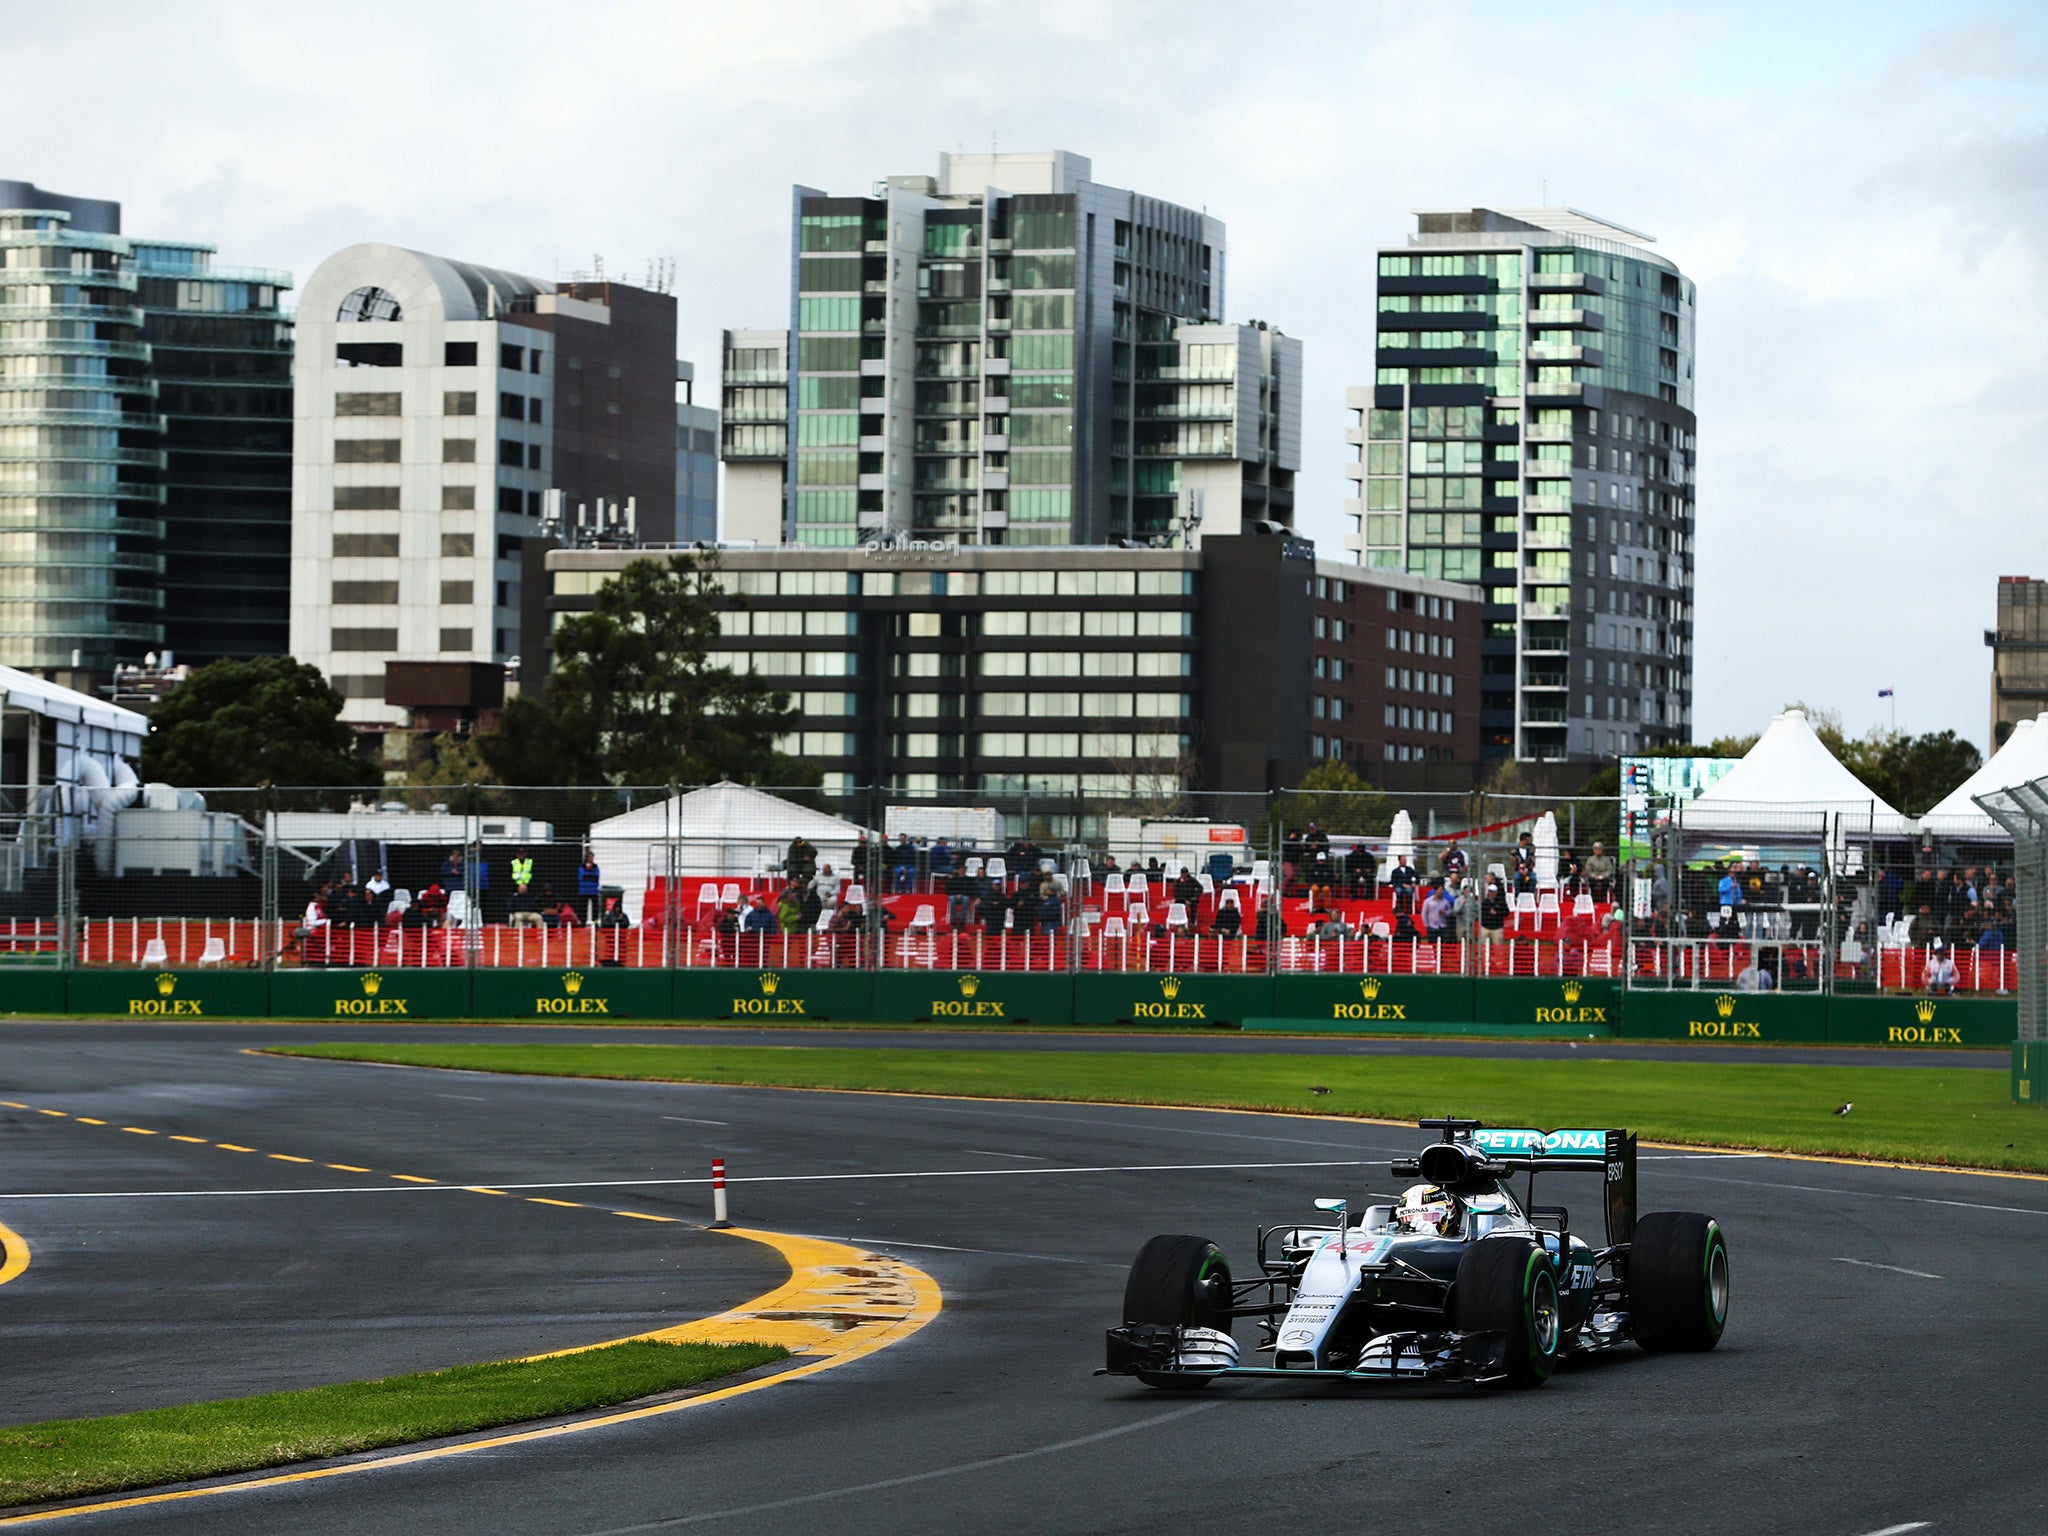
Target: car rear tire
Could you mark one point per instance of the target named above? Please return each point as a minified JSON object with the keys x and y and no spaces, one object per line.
{"x":1677,"y":1281}
{"x":1178,"y":1280}
{"x":1507,"y":1285}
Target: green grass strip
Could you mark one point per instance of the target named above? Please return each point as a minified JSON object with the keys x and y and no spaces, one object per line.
{"x":1962,"y":1116}
{"x":69,"y":1458}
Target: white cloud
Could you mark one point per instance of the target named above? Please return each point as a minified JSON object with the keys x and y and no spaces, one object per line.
{"x":1857,"y":189}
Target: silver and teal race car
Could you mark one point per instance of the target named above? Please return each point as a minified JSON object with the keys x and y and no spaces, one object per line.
{"x":1463,"y":1279}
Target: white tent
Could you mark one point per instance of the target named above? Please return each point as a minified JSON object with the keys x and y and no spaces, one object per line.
{"x":726,"y":831}
{"x":1401,"y":838}
{"x":1790,"y":783}
{"x":2022,"y":759}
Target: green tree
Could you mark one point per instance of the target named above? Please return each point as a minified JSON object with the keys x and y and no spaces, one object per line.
{"x":634,"y":699}
{"x":1912,"y":772}
{"x":1336,"y":799}
{"x":270,"y":720}
{"x":446,"y":760}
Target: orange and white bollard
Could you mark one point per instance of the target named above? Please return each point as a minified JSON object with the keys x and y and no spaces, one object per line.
{"x":718,"y":1216}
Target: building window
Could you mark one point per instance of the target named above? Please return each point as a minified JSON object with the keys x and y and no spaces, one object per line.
{"x":458,"y":354}
{"x":357,"y":402}
{"x":366,"y":592}
{"x":365,"y":546}
{"x":366,"y":450}
{"x":458,"y":402}
{"x":366,"y":498}
{"x":458,"y":498}
{"x":455,"y":639}
{"x":512,"y":407}
{"x":458,"y":450}
{"x":457,"y":593}
{"x":365,"y":640}
{"x":511,"y":357}
{"x":458,"y":546}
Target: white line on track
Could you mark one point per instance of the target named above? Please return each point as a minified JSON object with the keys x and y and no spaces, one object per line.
{"x":1022,"y":1157}
{"x":1901,"y":1530}
{"x":956,"y":1470}
{"x":693,"y":1120}
{"x":1878,"y":1194}
{"x":761,"y":1178}
{"x":474,"y":1098}
{"x":884,"y":1245}
{"x":1897,"y":1269}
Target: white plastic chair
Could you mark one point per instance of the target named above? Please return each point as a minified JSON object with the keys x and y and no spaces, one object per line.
{"x":459,"y":915}
{"x":1135,"y":888}
{"x":154,"y":953}
{"x":1173,"y":869}
{"x":1113,"y":928}
{"x":1176,"y":916}
{"x":927,"y":918}
{"x":1230,"y":898}
{"x":973,"y":867}
{"x":856,"y":895}
{"x":215,"y":952}
{"x":1009,"y":921}
{"x":707,"y":896}
{"x":1381,"y":928}
{"x":1208,"y":884}
{"x":999,"y":871}
{"x":729,"y":896}
{"x":1112,"y":885}
{"x":1499,"y":872}
{"x":1084,"y":877}
{"x":1582,"y":906}
{"x":1137,"y":916}
{"x":1525,"y":906}
{"x":1262,"y":871}
{"x":1547,"y":906}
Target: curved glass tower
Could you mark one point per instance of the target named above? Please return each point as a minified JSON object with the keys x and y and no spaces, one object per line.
{"x":81,"y":454}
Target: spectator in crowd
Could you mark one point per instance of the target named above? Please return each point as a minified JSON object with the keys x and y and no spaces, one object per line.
{"x":1660,"y":887}
{"x":758,"y":919}
{"x":432,"y":907}
{"x":453,"y":875}
{"x":1228,"y":922}
{"x":1464,"y":908}
{"x":377,"y":891}
{"x":1454,"y":860}
{"x":1187,"y":889}
{"x":800,"y":862}
{"x":789,"y":910}
{"x":564,"y":914}
{"x":524,"y":910}
{"x":826,"y":884}
{"x":1599,"y":872}
{"x":1729,"y":889}
{"x":941,"y":862}
{"x":1328,"y":927}
{"x":1052,"y":908}
{"x":811,"y":906}
{"x":1363,"y":872}
{"x":961,"y":891}
{"x":589,"y":884}
{"x":1268,"y":925}
{"x":1026,"y":906}
{"x":1992,"y":936}
{"x":348,"y":907}
{"x":1755,"y":976}
{"x":522,"y":868}
{"x":610,"y":921}
{"x":1941,"y":969}
{"x":1437,"y":910}
{"x":316,"y":912}
{"x":1321,"y":880}
{"x":902,"y":865}
{"x":1524,"y":871}
{"x":1493,"y":909}
{"x":1402,"y":880}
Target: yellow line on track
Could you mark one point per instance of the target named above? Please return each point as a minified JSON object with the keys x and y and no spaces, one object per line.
{"x":642,"y":1216}
{"x":136,"y":1130}
{"x":840,"y":1304}
{"x":57,"y":1112}
{"x":229,"y":1146}
{"x":413,"y":1178}
{"x":197,"y":1141}
{"x":286,"y":1157}
{"x":567,"y":1205}
{"x":88,"y":1120}
{"x":13,"y":1254}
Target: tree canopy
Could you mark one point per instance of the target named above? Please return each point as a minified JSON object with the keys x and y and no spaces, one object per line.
{"x":1336,"y":799}
{"x":270,"y":720}
{"x":633,"y":697}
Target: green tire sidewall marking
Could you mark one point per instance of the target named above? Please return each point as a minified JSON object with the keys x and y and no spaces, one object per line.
{"x":1211,"y":1263}
{"x":1538,"y":1260}
{"x":1714,"y":1242}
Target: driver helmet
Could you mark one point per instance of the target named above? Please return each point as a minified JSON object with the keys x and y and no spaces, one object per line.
{"x":1427,"y":1208}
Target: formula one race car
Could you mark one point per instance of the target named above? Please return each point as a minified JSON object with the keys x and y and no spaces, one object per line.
{"x":1461,"y":1281}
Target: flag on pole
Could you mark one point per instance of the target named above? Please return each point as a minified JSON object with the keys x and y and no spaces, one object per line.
{"x":1884,"y":693}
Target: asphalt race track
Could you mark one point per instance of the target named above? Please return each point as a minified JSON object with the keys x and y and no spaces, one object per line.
{"x":1882,"y":1367}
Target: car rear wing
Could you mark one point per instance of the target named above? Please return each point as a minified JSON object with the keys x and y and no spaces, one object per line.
{"x":1612,"y":1153}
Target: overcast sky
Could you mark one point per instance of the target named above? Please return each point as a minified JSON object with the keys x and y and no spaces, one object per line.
{"x":1858,"y":190}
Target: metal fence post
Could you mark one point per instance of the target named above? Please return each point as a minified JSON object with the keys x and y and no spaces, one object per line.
{"x":268,"y":917}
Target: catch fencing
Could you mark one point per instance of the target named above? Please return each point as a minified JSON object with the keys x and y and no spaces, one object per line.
{"x":725,"y":877}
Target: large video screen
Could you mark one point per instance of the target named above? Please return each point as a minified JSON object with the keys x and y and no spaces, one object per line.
{"x":1650,"y":786}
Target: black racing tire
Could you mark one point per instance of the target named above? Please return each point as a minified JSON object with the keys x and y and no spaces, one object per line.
{"x":1508,"y":1285}
{"x":1677,"y":1281}
{"x":1179,"y":1280}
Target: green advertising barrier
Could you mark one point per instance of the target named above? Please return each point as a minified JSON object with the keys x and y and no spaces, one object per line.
{"x":1194,"y":998}
{"x":2029,"y":1064}
{"x":32,"y":990}
{"x":573,"y":996}
{"x":208,"y":994}
{"x":1579,"y":1005}
{"x":1727,"y":1017}
{"x":822,"y":995}
{"x":391,"y":994}
{"x":1374,"y":1003}
{"x":983,"y":997}
{"x":1922,"y":1022}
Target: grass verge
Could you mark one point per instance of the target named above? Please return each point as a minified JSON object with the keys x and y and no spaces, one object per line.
{"x":1960,"y":1116}
{"x":69,"y":1458}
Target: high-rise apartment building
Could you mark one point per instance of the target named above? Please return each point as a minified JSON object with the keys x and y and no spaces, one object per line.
{"x":221,"y":354}
{"x":2019,"y":656}
{"x":1530,"y":428}
{"x":696,"y":463}
{"x":1006,"y":353}
{"x":144,"y":444}
{"x":436,"y":402}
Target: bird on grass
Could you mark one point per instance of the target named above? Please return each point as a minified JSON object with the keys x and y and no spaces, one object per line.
{"x":1314,"y":1089}
{"x":1845,"y":1109}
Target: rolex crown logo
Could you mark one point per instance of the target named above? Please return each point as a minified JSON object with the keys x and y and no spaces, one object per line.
{"x":166,"y":984}
{"x":1925,"y":1008}
{"x":1370,"y":987}
{"x":572,"y":982}
{"x":769,"y":982}
{"x":372,"y":983}
{"x":1571,"y":991}
{"x":1724,"y":1005}
{"x":1170,"y":986}
{"x":969,"y":985}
